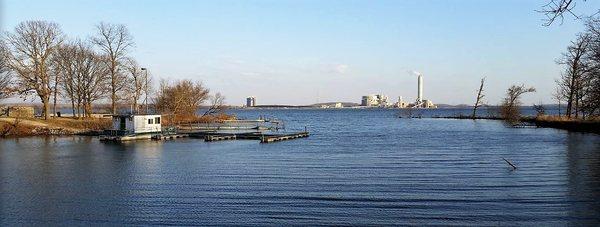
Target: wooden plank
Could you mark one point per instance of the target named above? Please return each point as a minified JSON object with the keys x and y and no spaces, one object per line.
{"x":276,"y":138}
{"x":212,"y":138}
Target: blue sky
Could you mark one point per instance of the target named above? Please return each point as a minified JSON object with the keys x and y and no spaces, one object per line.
{"x":301,"y":52}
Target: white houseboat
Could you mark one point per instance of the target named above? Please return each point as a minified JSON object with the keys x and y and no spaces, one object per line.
{"x":133,"y":127}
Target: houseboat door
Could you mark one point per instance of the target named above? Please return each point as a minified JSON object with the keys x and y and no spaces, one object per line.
{"x":122,"y":123}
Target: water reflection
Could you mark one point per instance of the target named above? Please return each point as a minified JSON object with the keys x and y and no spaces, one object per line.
{"x":583,"y":157}
{"x":377,"y":170}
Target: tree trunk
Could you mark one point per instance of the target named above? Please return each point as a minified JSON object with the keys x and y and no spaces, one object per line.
{"x":78,"y":109}
{"x":73,"y":106}
{"x":576,"y":105}
{"x":570,"y":100}
{"x":46,"y":102}
{"x":55,"y":94}
{"x":114,"y":101}
{"x":54,"y":104}
{"x":478,"y":100}
{"x":89,"y":110}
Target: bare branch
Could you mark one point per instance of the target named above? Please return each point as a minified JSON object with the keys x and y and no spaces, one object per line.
{"x":217,"y":104}
{"x":114,"y":42}
{"x":31,"y":47}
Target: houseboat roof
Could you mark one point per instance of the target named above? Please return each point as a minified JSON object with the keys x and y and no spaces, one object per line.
{"x":129,"y":115}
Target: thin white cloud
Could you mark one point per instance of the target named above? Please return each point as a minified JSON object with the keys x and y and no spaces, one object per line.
{"x":413,"y":72}
{"x":340,"y":68}
{"x":250,"y":74}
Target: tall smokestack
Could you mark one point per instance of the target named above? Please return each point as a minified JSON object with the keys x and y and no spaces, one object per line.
{"x":420,"y":94}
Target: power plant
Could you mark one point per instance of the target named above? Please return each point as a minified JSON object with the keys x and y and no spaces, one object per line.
{"x":381,"y":100}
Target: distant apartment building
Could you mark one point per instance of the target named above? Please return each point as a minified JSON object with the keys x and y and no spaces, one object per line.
{"x":251,"y":101}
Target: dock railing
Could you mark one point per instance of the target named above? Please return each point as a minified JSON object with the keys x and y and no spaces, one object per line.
{"x":259,"y":125}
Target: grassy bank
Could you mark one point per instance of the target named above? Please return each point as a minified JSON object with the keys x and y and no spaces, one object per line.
{"x":464,"y":117}
{"x":15,"y":127}
{"x":178,"y":120}
{"x":575,"y":125}
{"x":547,"y":121}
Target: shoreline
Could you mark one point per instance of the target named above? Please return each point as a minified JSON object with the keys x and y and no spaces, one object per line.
{"x":28,"y":127}
{"x":547,"y":121}
{"x":17,"y":128}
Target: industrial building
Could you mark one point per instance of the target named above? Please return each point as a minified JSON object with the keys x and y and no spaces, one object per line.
{"x":401,"y":103}
{"x":374,"y":101}
{"x":420,"y":102}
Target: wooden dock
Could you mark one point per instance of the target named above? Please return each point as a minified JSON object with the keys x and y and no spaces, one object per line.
{"x":212,"y":138}
{"x":125,"y":137}
{"x":169,"y":136}
{"x":276,"y":138}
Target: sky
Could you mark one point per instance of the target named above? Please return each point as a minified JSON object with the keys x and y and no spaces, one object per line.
{"x":303,"y":51}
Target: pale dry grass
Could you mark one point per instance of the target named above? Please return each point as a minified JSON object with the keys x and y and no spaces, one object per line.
{"x":555,"y":118}
{"x":62,"y":126}
{"x":170,"y":119}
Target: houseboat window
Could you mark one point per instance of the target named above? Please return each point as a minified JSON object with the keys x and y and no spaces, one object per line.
{"x":157,"y":120}
{"x":150,"y":121}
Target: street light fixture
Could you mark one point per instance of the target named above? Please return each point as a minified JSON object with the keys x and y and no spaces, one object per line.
{"x":146,"y":96}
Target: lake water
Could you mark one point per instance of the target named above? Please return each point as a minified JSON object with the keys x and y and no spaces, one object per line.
{"x":358,"y":167}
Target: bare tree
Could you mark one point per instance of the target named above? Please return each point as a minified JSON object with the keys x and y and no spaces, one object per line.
{"x":559,"y":96}
{"x":540,"y":109}
{"x":479,"y":99}
{"x":182,"y":98}
{"x":509,"y":109}
{"x":556,"y":9}
{"x":65,"y":66}
{"x":95,"y":80}
{"x":32,"y":45}
{"x":217,"y":104}
{"x":590,"y":96}
{"x":84,"y":77}
{"x":572,"y":79}
{"x":114,"y":41}
{"x":138,"y":85}
{"x":5,"y":75}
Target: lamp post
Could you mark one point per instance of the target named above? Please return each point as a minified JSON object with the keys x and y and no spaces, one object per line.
{"x":146,"y":87}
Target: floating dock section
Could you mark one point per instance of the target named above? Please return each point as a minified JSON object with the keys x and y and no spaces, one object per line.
{"x":142,"y":137}
{"x":263,"y":138}
{"x":261,"y":130}
{"x":211,"y":136}
{"x":276,"y":138}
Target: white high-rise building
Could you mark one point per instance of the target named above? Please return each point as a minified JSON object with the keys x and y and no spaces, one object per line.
{"x":251,"y":101}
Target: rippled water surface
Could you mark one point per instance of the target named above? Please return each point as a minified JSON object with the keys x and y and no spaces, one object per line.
{"x":358,"y":167}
